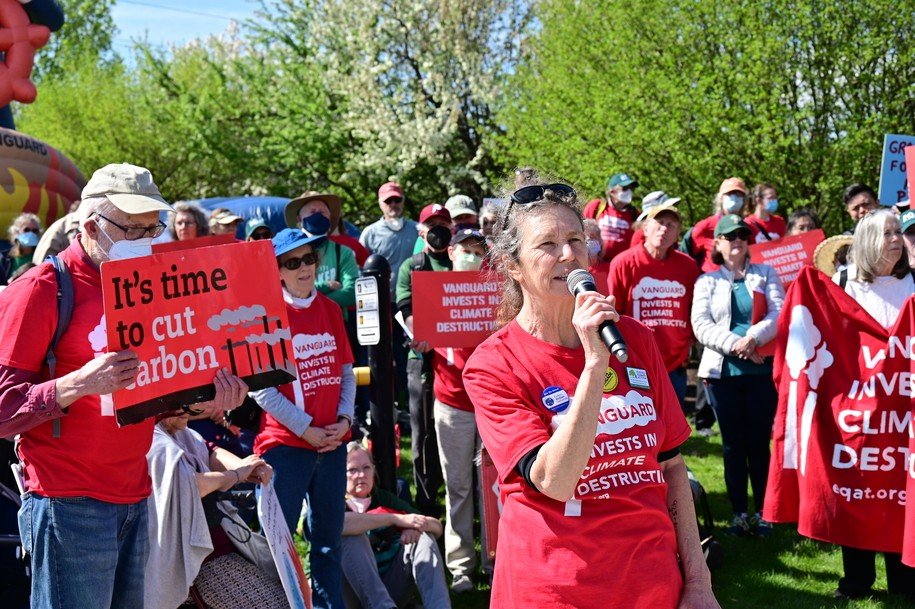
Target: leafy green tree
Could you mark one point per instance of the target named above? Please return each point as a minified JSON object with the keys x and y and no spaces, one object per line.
{"x":86,"y":36}
{"x":685,"y":93}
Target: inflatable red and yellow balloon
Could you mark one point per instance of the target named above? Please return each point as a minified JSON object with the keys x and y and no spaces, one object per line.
{"x":36,"y":178}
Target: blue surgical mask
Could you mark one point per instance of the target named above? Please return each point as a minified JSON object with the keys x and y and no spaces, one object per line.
{"x":731,"y":204}
{"x":315,"y":225}
{"x":772,"y":206}
{"x":594,"y":247}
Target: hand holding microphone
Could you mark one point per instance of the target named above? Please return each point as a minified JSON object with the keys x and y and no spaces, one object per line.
{"x":580,"y":281}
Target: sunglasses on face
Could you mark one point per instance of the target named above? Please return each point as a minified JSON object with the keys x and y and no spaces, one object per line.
{"x":743,"y":235}
{"x":531,"y":194}
{"x":258,"y":235}
{"x":294,"y":263}
{"x":29,"y":229}
{"x":393,"y":200}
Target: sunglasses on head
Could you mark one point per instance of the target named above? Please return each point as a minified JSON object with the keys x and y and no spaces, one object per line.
{"x":294,"y":263}
{"x":531,"y":194}
{"x":743,"y":235}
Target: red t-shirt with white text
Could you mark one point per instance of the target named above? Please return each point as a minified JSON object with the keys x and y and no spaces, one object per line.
{"x":616,"y":528}
{"x":447,"y":365}
{"x":93,"y":457}
{"x":659,"y":294}
{"x":615,"y":226}
{"x":321,"y":349}
{"x":775,"y":226}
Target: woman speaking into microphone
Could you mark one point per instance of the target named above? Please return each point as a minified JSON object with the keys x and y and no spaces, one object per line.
{"x":597,"y":510}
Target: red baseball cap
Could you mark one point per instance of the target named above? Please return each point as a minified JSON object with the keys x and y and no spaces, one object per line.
{"x":434,"y":211}
{"x":388,"y":190}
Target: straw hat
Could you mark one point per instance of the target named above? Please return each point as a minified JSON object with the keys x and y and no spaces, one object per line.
{"x":824,"y":256}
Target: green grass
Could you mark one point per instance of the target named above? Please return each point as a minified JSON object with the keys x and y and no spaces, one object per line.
{"x":782,"y":571}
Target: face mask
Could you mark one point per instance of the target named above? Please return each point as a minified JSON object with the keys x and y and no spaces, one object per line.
{"x":594,"y":247}
{"x":395,"y":224}
{"x":772,"y":206}
{"x":467,"y":261}
{"x":124,"y":249}
{"x":732,"y":204}
{"x":625,"y":196}
{"x":315,"y":225}
{"x":438,"y":238}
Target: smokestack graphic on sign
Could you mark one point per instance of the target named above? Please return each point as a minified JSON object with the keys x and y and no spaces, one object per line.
{"x":805,"y":352}
{"x":261,"y":357}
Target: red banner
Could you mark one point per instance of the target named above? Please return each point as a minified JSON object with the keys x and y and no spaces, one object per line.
{"x":188,"y":313}
{"x":454,"y":308}
{"x":788,"y":255}
{"x":843,"y":435}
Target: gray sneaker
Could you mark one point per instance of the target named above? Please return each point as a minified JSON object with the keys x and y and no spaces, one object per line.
{"x":763,"y":527}
{"x":740,"y":525}
{"x":461,"y":584}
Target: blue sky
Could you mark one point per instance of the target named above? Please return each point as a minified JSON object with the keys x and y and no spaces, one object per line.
{"x":165,"y":22}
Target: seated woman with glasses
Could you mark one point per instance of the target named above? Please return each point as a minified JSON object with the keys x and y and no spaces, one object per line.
{"x":735,"y":310}
{"x":195,"y":535}
{"x":387,"y":544}
{"x":307,"y":422}
{"x":597,"y":509}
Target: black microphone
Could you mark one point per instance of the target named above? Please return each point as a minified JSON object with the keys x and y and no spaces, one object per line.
{"x":580,"y":281}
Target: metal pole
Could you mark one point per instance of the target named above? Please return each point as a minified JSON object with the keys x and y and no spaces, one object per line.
{"x":373,"y":327}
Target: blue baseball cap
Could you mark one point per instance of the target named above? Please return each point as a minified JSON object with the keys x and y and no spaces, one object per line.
{"x":622,"y":179}
{"x":289,"y":239}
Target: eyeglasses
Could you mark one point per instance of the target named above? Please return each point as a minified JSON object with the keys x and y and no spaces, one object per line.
{"x":132,"y":233}
{"x":352,"y":472}
{"x":294,"y":263}
{"x":743,"y":235}
{"x":29,"y":229}
{"x":260,"y":234}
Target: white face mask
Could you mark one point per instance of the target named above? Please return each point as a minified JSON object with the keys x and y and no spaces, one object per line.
{"x":467,"y":262}
{"x":395,"y":224}
{"x":124,"y":249}
{"x":625,"y":196}
{"x":731,"y":204}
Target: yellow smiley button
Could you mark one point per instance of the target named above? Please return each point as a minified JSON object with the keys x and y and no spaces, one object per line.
{"x":611,"y":380}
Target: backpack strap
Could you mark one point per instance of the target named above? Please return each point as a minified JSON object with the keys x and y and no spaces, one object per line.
{"x":337,"y":252}
{"x":418,"y":261}
{"x":760,"y":228}
{"x":64,"y":313}
{"x":843,"y":277}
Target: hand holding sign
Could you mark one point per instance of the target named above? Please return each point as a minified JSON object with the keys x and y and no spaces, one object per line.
{"x":101,"y":375}
{"x":230,"y":393}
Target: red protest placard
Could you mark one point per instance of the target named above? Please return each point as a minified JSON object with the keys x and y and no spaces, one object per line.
{"x":197,"y":242}
{"x":188,"y":313}
{"x":454,"y":308}
{"x":789,"y":254}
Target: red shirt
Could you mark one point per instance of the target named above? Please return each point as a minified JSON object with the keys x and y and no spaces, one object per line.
{"x":351,"y":242}
{"x":615,"y":225}
{"x":448,"y":364}
{"x":613,"y":545}
{"x":638,"y":238}
{"x":321,"y":349}
{"x":659,"y":294}
{"x":775,"y":226}
{"x":93,"y":457}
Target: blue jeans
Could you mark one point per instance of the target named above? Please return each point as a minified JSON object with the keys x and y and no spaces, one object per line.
{"x":745,"y":408}
{"x":86,"y":554}
{"x":320,"y":479}
{"x":678,"y":380}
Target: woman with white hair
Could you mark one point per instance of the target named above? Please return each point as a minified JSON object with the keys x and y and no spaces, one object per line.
{"x":880,"y":280}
